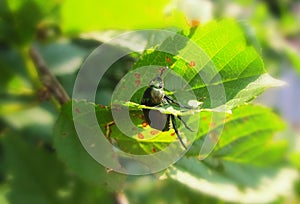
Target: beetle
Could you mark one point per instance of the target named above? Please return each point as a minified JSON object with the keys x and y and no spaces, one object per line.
{"x":155,"y":95}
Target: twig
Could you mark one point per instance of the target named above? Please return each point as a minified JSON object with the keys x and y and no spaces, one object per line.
{"x":120,"y":198}
{"x":47,"y":78}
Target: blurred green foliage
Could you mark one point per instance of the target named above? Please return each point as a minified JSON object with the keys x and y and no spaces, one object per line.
{"x":64,"y":33}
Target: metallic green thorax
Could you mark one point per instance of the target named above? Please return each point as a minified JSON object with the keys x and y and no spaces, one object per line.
{"x":154,"y":94}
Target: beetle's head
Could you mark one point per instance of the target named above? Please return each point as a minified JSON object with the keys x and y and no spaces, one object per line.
{"x":157,"y":83}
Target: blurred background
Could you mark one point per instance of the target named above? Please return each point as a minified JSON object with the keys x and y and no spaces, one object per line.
{"x":65,"y":32}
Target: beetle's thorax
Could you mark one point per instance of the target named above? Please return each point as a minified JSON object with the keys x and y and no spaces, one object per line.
{"x":157,"y":95}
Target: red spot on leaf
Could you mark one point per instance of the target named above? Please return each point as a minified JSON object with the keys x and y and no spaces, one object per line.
{"x":154,"y":132}
{"x":140,"y":136}
{"x":168,"y":59}
{"x":77,"y":110}
{"x":137,"y":82}
{"x":137,"y":75}
{"x":173,"y":133}
{"x":101,"y":106}
{"x":192,"y":63}
{"x":142,"y":117}
{"x":212,"y":125}
{"x":154,"y":149}
{"x":204,"y":118}
{"x":245,"y":119}
{"x":144,"y":124}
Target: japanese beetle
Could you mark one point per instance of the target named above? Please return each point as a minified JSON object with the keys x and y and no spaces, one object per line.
{"x":155,"y":95}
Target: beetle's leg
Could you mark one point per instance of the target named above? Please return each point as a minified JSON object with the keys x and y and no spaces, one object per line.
{"x":171,"y":100}
{"x":184,"y":123}
{"x":176,"y":130}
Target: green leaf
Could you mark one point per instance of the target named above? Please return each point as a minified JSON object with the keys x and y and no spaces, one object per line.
{"x":13,"y":80}
{"x":247,"y":137}
{"x":3,"y":192}
{"x":234,"y":182}
{"x":19,"y":28}
{"x":221,"y":57}
{"x":102,"y":15}
{"x":148,"y":191}
{"x":35,"y":175}
{"x":242,"y":75}
{"x":248,"y":132}
{"x":39,"y":127}
{"x":29,"y":166}
{"x":72,"y":152}
{"x":15,"y":89}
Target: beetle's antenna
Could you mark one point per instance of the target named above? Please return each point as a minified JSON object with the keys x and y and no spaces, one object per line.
{"x":162,"y":70}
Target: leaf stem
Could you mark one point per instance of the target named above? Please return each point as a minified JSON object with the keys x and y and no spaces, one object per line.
{"x":30,"y":68}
